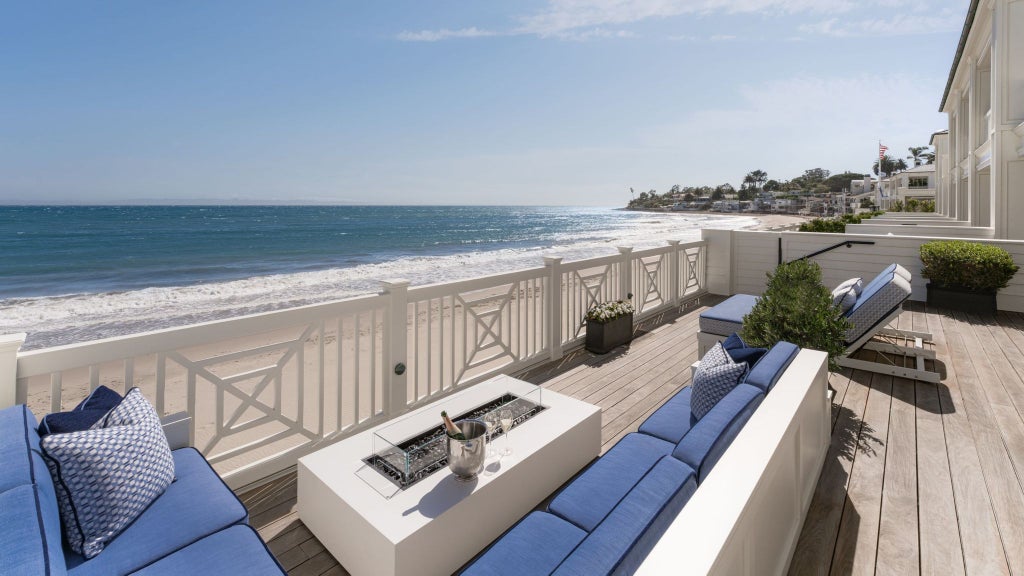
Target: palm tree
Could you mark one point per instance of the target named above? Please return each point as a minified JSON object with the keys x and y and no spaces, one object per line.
{"x":890,"y":165}
{"x":919,"y":155}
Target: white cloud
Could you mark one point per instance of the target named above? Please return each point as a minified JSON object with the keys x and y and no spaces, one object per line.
{"x":722,"y":37}
{"x":894,"y":25}
{"x":444,"y":33}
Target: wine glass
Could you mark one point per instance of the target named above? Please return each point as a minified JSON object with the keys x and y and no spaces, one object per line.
{"x":491,"y":421}
{"x":506,"y":425}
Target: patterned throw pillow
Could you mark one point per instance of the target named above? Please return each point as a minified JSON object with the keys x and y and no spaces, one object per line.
{"x":857,"y":283}
{"x":105,"y":477}
{"x":715,"y":377}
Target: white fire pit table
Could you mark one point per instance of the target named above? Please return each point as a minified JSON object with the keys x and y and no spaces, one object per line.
{"x":438,"y":524}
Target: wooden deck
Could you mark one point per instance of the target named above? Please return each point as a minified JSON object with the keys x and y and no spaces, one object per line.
{"x":920,"y":478}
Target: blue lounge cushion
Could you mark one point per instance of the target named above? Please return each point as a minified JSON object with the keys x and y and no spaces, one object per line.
{"x":770,"y":367}
{"x":599,"y":489}
{"x":714,"y":377}
{"x":726,"y":317}
{"x":234,"y":550}
{"x":537,"y":545}
{"x":106,"y":476}
{"x":89,"y":411}
{"x":740,"y":351}
{"x":195,"y":505}
{"x":709,"y":437}
{"x":673,"y":420}
{"x":620,"y":543}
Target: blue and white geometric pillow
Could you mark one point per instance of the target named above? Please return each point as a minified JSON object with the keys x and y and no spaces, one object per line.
{"x":105,"y":477}
{"x":716,"y":376}
{"x":845,"y":296}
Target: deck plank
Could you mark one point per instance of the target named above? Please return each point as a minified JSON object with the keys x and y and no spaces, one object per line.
{"x":979,"y":535}
{"x":898,"y":543}
{"x":857,"y":542}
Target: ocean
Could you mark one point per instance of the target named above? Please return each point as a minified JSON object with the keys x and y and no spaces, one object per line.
{"x":75,"y":273}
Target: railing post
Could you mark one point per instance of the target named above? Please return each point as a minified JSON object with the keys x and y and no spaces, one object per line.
{"x":553,"y":305}
{"x":10,"y":344}
{"x":626,"y":273}
{"x":396,"y":390}
{"x":673,"y":271}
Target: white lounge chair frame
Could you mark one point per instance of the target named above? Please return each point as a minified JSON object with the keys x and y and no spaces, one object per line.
{"x":913,"y":346}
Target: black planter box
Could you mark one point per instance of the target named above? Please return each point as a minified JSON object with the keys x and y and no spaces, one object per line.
{"x":602,"y":338}
{"x":962,"y":300}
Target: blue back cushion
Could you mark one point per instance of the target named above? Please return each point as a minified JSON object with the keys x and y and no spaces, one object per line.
{"x":28,"y":506}
{"x":705,"y":443}
{"x":770,"y":367}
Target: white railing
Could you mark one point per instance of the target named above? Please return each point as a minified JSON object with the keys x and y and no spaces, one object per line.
{"x":265,"y":389}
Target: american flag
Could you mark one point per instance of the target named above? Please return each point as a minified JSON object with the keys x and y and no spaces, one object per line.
{"x":881,"y":150}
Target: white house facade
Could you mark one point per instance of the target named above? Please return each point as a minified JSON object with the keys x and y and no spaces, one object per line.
{"x":980,"y":159}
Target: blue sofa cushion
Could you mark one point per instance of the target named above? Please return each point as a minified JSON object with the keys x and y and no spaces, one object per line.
{"x":620,"y":543}
{"x":537,"y":545}
{"x":234,"y":550}
{"x":740,"y":351}
{"x":598,"y":490}
{"x":195,"y":505}
{"x":673,"y":420}
{"x":716,"y":375}
{"x":27,"y":547}
{"x":704,"y":444}
{"x":770,"y":367}
{"x":89,"y":411}
{"x":106,"y":477}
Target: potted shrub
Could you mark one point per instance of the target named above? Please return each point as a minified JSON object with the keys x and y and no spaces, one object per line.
{"x":797,"y":307}
{"x":609,"y":324}
{"x":965,"y":275}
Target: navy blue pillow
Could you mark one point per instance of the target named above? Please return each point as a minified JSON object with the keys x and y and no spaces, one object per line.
{"x":87,"y":413}
{"x":738,"y":350}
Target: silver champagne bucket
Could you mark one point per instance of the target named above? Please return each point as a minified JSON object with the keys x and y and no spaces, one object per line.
{"x":466,"y":457}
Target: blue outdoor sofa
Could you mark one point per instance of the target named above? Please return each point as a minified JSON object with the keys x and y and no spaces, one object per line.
{"x":610,"y":516}
{"x":197,"y":526}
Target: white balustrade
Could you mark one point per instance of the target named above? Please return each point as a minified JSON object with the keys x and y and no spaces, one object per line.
{"x":267,"y":388}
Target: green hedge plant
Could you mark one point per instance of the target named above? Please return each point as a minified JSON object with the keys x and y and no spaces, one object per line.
{"x":797,"y":307}
{"x":967,"y":265}
{"x":837,"y":224}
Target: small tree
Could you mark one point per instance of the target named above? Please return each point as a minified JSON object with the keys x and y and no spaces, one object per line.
{"x":797,"y":307}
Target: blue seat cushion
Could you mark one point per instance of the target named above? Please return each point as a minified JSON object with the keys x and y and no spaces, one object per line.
{"x":740,"y":351}
{"x":88,"y":412}
{"x":234,"y":550}
{"x":707,"y":440}
{"x":537,"y":545}
{"x":726,"y":317}
{"x":588,"y":499}
{"x":30,"y":544}
{"x":620,"y":543}
{"x":673,"y":420}
{"x":195,"y":505}
{"x":770,"y":367}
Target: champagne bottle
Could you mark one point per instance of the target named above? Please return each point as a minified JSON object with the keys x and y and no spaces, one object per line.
{"x":451,"y":429}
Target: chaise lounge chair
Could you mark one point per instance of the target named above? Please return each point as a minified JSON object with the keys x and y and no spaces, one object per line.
{"x":879,"y":303}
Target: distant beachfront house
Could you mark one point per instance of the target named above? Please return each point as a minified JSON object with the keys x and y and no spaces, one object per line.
{"x":980,"y":159}
{"x":917,"y":183}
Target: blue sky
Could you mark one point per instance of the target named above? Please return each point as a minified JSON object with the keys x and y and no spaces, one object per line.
{"x":456,"y":102}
